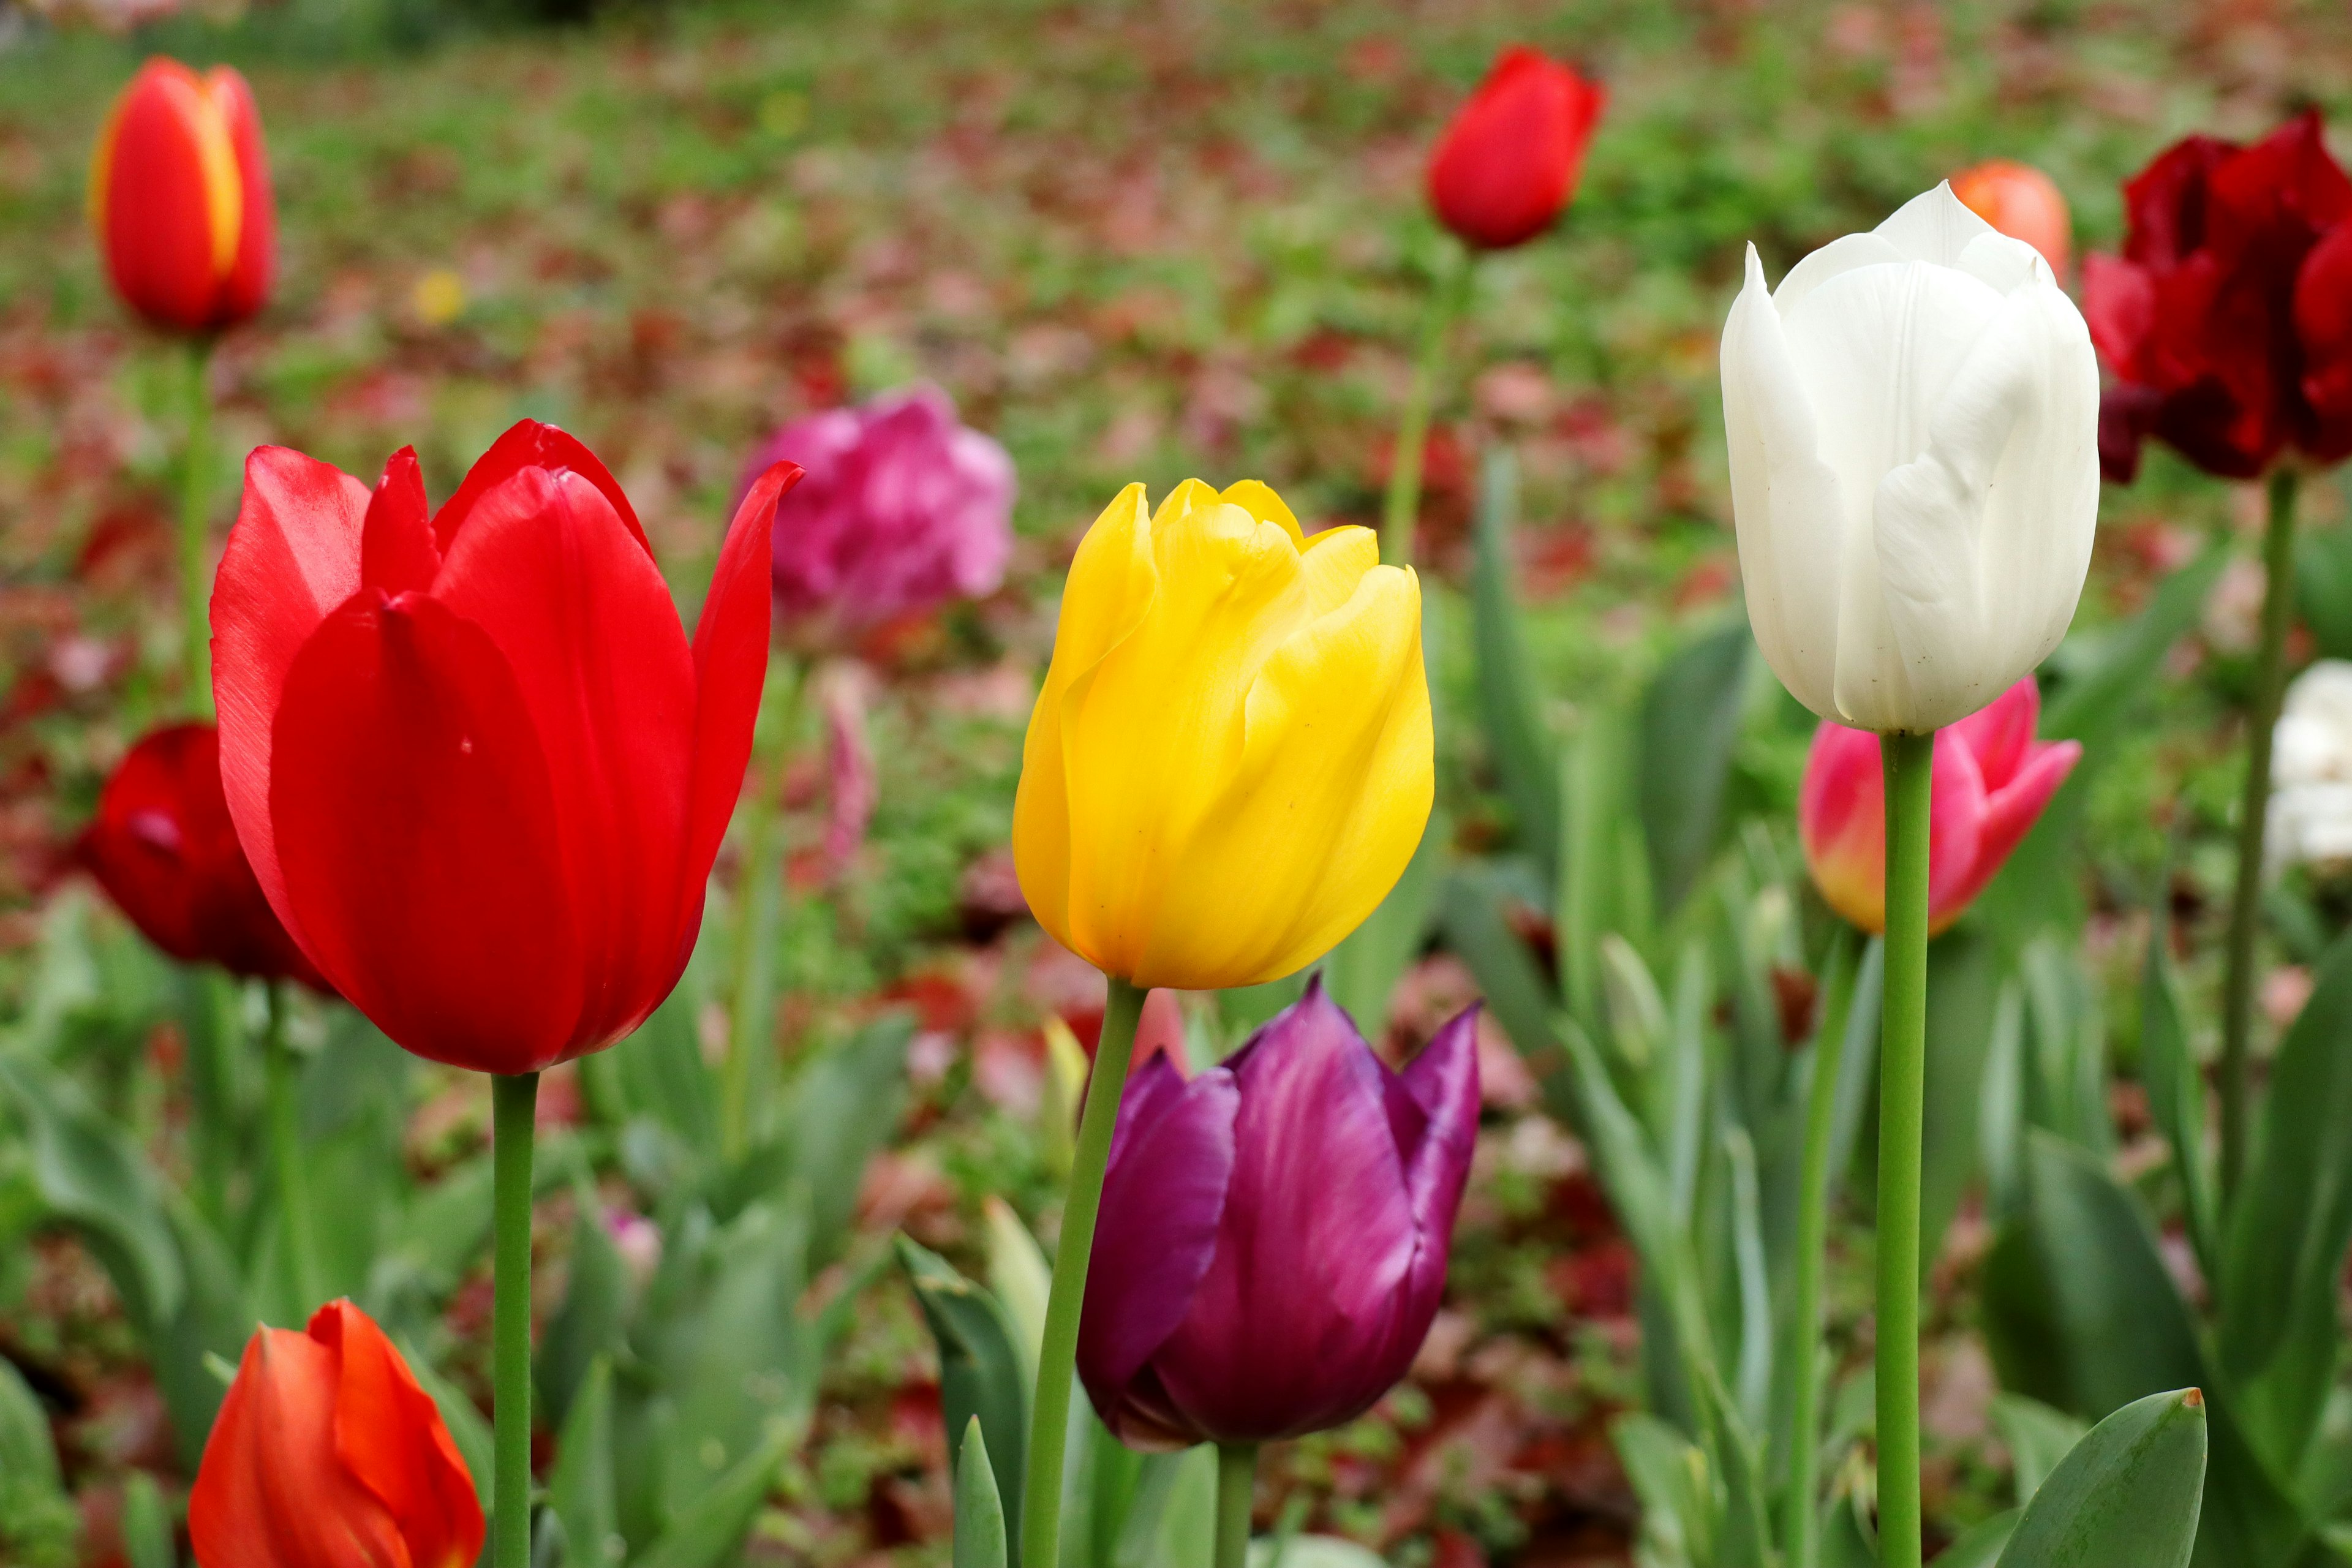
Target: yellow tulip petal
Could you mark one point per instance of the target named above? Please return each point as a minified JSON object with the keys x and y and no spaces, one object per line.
{"x":1192,"y":496}
{"x":1256,"y":498}
{"x":1334,"y":562}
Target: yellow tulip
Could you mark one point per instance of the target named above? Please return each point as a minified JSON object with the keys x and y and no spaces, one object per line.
{"x":1230,"y":762}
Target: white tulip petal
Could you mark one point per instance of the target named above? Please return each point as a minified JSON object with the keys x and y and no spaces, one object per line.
{"x":1835,"y":259}
{"x":1934,"y":226}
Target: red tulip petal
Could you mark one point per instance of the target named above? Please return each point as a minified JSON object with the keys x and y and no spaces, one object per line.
{"x":2166,"y":201}
{"x":2009,"y":814}
{"x":1999,"y":733}
{"x":161,"y":213}
{"x":582,"y":618}
{"x":1509,"y":161}
{"x":396,"y":549}
{"x":531,"y":444}
{"x":389,"y":1434}
{"x":1842,"y":822}
{"x":417,"y":827}
{"x":730,"y":667}
{"x":2119,"y":305}
{"x":247,"y":286}
{"x":2323,"y":322}
{"x":292,"y":558}
{"x":271,"y":1492}
{"x":1956,"y":813}
{"x":142,"y":845}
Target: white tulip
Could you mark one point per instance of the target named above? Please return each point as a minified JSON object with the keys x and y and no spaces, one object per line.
{"x":2311,"y":769}
{"x":1915,"y":476}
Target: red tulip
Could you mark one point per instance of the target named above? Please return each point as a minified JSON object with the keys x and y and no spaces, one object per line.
{"x":1508,"y":163}
{"x":2022,"y":201}
{"x":1991,"y":780}
{"x":480,"y":772}
{"x":2224,"y":320}
{"x":164,"y":849}
{"x":179,"y":194}
{"x":327,"y":1454}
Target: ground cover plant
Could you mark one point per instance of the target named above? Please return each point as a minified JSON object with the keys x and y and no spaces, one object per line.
{"x":794,"y":1232}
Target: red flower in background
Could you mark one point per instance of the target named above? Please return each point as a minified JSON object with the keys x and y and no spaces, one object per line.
{"x":165,"y":851}
{"x":2226,"y":319}
{"x":2024,"y":204}
{"x":328,"y":1454}
{"x":179,"y":195}
{"x":1509,"y":163}
{"x":480,"y":772}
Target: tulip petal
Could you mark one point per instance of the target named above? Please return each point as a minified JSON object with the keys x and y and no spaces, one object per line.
{"x":246,"y":287}
{"x":389,"y":1434}
{"x":1443,"y":1083}
{"x":1162,"y":1199}
{"x":2001,"y":734}
{"x":168,"y":198}
{"x":396,"y":549}
{"x":585,"y":623}
{"x":1294,"y":1327}
{"x":271,"y":1492}
{"x":1841,"y":821}
{"x":2009,"y":814}
{"x":415,"y":825}
{"x":292,"y":559}
{"x":527,"y":444}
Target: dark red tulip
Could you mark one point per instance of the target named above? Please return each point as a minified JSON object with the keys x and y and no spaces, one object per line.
{"x":480,"y":772}
{"x":179,"y":194}
{"x":1508,"y":163}
{"x":164,"y":849}
{"x":1274,"y":1233}
{"x":328,"y":1454}
{"x":2224,"y":320}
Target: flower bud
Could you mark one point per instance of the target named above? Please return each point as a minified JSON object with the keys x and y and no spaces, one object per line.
{"x":2022,"y":201}
{"x":1508,"y":163}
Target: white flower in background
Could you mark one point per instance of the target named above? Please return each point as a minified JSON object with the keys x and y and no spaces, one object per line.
{"x":2311,"y":768}
{"x":1913,"y":418}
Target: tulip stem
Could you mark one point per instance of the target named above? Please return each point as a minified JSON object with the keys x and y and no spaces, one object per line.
{"x":1049,"y":1415}
{"x":195,"y":541}
{"x":1447,"y":296}
{"x":759,"y":905}
{"x":1800,"y":1523}
{"x":300,"y":1236}
{"x":514,"y":1103}
{"x":1236,"y":1485}
{"x":2253,"y":815}
{"x":1910,"y":763}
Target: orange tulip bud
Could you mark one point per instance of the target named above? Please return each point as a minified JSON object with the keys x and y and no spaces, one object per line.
{"x":2022,"y":201}
{"x":327,"y":1454}
{"x":179,"y":197}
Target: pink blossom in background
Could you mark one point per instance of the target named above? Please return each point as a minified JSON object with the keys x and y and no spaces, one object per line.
{"x":850,"y":785}
{"x":903,"y":509}
{"x":1991,"y":780}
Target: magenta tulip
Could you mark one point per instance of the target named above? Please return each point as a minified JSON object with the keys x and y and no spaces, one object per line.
{"x":903,"y":509}
{"x":1991,"y":780}
{"x":1273,"y":1232}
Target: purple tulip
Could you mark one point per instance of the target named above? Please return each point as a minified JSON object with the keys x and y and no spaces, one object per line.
{"x":1274,"y":1233}
{"x":903,"y":509}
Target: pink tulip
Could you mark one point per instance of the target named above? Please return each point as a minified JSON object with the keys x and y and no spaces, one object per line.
{"x":903,"y":509}
{"x":1993,"y":780}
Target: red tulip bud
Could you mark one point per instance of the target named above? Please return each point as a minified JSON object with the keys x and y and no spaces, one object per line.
{"x":1508,"y":163}
{"x":327,"y":1454}
{"x":179,"y":197}
{"x":2024,"y":204}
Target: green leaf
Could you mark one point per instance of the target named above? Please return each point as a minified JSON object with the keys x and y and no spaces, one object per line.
{"x":981,"y":1374}
{"x":1516,"y":990}
{"x":2128,"y":1496}
{"x":93,"y":1178}
{"x":1020,"y":1278}
{"x":1173,"y":1521}
{"x":1964,"y":978}
{"x":28,"y":1454}
{"x":1980,"y":1546}
{"x":2176,"y":1090}
{"x":1362,"y":971}
{"x":978,"y":1508}
{"x":845,"y":1106}
{"x":2038,"y":1437}
{"x":146,"y":1524}
{"x":1314,"y":1552}
{"x":1603,"y":882}
{"x":581,"y":1489}
{"x":588,"y":1325}
{"x":1690,"y":723}
{"x":1668,"y":1473}
{"x":215,"y":1318}
{"x":708,"y":1529}
{"x":1508,"y":693}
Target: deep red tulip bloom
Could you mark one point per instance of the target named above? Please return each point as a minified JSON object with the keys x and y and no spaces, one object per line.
{"x":179,"y":194}
{"x":1991,"y":780}
{"x":1509,"y":163}
{"x":327,"y":1454}
{"x":164,"y":849}
{"x":2225,"y":319}
{"x":480,"y":772}
{"x":1274,"y":1233}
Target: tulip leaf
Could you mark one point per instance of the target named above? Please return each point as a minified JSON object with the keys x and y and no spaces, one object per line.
{"x":1668,"y":1473}
{"x":982,"y":1372}
{"x":708,"y":1529}
{"x":1964,"y":977}
{"x":1981,"y":1544}
{"x":2037,"y":1437}
{"x":589,"y":1324}
{"x":2289,"y":1226}
{"x":2175,"y":1089}
{"x":581,"y":1489}
{"x":2323,"y":588}
{"x":844,"y":1107}
{"x":28,"y":1454}
{"x":146,"y":1524}
{"x":2127,"y":1496}
{"x":1602,"y":885}
{"x":1022,"y":1280}
{"x":1364,"y":969}
{"x":1171,"y":1522}
{"x":1689,"y":725}
{"x":978,"y":1508}
{"x":1515,"y":988}
{"x":215,"y":1318}
{"x":1522,"y":751}
{"x":1314,"y":1551}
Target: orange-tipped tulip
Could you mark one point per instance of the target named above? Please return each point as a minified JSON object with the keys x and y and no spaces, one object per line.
{"x":2022,"y":201}
{"x":179,"y":197}
{"x":327,"y":1454}
{"x":1991,"y":780}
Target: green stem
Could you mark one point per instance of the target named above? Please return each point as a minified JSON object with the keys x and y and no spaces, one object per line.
{"x":1236,"y":1482}
{"x":1401,"y":511}
{"x":516,"y":1099}
{"x":1910,"y":763}
{"x":1801,"y":1513}
{"x":2254,"y":813}
{"x":1049,"y":1418}
{"x":195,"y":541}
{"x":758,"y":906}
{"x":300,"y":1237}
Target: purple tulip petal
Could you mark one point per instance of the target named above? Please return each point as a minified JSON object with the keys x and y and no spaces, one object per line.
{"x":1443,"y":1080}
